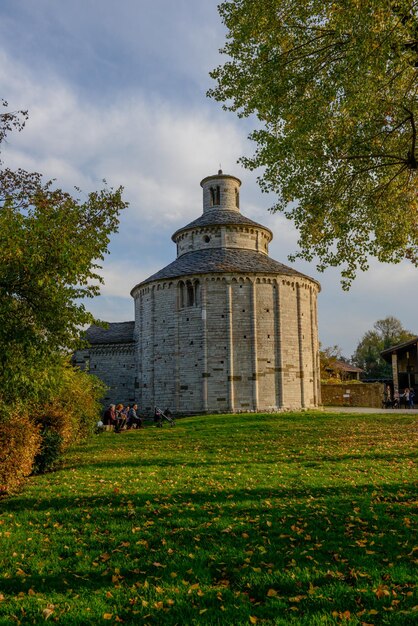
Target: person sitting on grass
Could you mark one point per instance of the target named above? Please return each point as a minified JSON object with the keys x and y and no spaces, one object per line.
{"x":125,"y":414}
{"x":109,"y":417}
{"x":134,"y":421}
{"x":120,"y":418}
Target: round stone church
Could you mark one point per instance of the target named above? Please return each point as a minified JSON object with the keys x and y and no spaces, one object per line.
{"x":224,"y":328}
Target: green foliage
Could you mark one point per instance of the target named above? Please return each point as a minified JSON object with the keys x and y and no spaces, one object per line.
{"x":51,"y":245}
{"x":49,"y":453}
{"x":68,"y":417}
{"x":327,"y":360}
{"x":33,"y":438}
{"x":333,"y":86}
{"x":75,"y":408}
{"x":304,"y":519}
{"x":387,"y":332}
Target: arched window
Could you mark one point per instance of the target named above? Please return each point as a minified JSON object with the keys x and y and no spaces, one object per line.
{"x":197,"y":293}
{"x":215,"y":196}
{"x":180,"y":294}
{"x":190,"y":293}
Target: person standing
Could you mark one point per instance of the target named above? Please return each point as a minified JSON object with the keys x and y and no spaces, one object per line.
{"x":387,"y":399}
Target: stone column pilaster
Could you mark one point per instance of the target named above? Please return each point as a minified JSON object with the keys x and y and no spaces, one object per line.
{"x":204,"y":347}
{"x":278,"y":346}
{"x":395,"y":373}
{"x":254,"y":352}
{"x":314,"y":348}
{"x":230,"y":348}
{"x":152,"y":333}
{"x":300,"y":345}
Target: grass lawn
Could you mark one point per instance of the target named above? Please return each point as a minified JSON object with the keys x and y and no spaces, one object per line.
{"x":302,"y":518}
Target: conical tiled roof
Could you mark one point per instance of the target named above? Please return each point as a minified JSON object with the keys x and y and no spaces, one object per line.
{"x":222,"y":260}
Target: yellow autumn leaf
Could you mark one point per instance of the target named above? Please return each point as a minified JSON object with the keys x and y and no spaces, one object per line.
{"x":253,"y":619}
{"x":107,"y":616}
{"x":271,"y":593}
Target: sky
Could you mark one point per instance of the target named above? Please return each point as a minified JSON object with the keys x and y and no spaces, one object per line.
{"x":116,"y":90}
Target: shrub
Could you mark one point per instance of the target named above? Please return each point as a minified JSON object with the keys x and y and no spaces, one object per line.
{"x":49,"y":453}
{"x":33,"y":440}
{"x":19,"y":443}
{"x":74,"y":409}
{"x":81,"y":395}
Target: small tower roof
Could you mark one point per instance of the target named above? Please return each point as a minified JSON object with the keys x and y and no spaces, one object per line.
{"x":218,"y":217}
{"x":220,"y":176}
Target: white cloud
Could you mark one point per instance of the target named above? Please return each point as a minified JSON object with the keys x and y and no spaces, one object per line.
{"x":160,"y":149}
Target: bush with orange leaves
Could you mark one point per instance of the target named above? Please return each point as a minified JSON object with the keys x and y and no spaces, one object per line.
{"x":34,"y":440}
{"x":20,"y":441}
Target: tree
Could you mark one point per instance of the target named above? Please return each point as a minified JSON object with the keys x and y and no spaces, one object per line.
{"x":334,"y":88}
{"x":387,"y":332}
{"x":51,"y":245}
{"x":327,"y":360}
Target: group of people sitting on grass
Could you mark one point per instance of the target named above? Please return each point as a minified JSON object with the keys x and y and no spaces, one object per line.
{"x":118,"y":417}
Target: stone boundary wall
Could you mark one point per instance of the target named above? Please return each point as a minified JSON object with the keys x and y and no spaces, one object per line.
{"x":353,"y":394}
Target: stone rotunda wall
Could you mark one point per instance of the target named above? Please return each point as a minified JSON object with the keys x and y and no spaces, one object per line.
{"x":246,"y":343}
{"x":224,"y":327}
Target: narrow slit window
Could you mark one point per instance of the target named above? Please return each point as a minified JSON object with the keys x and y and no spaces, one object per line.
{"x":190,"y":294}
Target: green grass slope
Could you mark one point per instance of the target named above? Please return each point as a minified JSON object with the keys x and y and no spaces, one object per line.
{"x":302,"y":518}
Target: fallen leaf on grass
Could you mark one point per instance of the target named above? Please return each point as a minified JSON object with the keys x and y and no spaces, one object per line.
{"x":297,"y":598}
{"x":47,"y":612}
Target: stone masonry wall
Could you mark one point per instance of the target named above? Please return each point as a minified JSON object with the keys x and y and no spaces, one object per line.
{"x":115,"y":366}
{"x":229,"y":192}
{"x":242,"y":237}
{"x":356,"y":394}
{"x":244,"y":344}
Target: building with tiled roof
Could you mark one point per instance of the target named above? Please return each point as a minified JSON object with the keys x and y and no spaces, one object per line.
{"x":222,"y":328}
